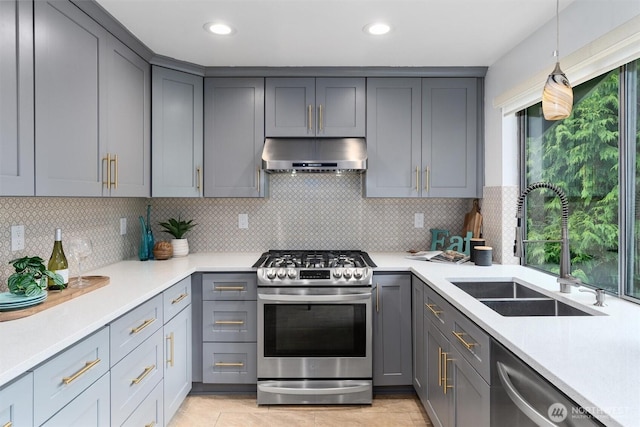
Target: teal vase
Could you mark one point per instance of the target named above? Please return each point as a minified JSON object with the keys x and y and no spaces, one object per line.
{"x":143,"y":249}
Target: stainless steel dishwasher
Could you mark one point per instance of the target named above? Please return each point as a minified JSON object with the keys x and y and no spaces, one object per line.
{"x":520,"y":397}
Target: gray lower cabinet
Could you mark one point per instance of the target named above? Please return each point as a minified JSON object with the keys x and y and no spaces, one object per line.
{"x":150,"y":412}
{"x":177,"y":133}
{"x":91,"y":108}
{"x":233,"y":137}
{"x":16,"y":98}
{"x":419,"y":337}
{"x":16,"y":402}
{"x":423,"y":137}
{"x":322,"y":107}
{"x":392,"y":351}
{"x":229,"y":328}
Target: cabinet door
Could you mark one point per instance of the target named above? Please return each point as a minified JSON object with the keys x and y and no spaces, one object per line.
{"x":177,"y":134}
{"x":472,"y":394}
{"x":450,"y":137}
{"x":419,"y":361}
{"x":340,"y":107}
{"x":128,"y":122}
{"x":392,"y":330}
{"x":393,"y":137}
{"x":16,"y":402}
{"x":439,"y":395}
{"x":177,"y":365}
{"x":90,"y":409}
{"x":290,"y":106}
{"x":16,"y":99}
{"x":234,"y":136}
{"x":70,"y":100}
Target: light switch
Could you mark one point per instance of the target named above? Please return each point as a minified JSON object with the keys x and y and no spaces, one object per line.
{"x":418,"y":220}
{"x":243,"y":221}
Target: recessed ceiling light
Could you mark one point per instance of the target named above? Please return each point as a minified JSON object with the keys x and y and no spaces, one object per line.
{"x":219,"y":28}
{"x":377,"y":28}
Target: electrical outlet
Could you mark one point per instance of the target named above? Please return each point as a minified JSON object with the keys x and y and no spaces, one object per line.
{"x":17,"y":238}
{"x":418,"y":220}
{"x":123,"y":226}
{"x":243,"y":221}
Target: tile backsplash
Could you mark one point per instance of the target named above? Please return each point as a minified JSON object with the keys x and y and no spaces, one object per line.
{"x":303,"y":211}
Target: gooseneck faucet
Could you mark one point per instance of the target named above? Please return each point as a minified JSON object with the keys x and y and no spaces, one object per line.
{"x":566,"y":280}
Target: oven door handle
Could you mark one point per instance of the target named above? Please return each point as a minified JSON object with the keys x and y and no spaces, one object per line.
{"x":315,"y":298}
{"x":314,"y":391}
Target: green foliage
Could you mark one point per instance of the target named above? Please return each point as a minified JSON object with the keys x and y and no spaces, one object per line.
{"x":177,"y":227}
{"x":31,"y":276}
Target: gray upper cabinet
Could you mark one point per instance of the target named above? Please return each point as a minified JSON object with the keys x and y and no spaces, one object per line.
{"x":16,"y":98}
{"x":92,"y":108}
{"x":393,"y":137}
{"x":177,"y":120}
{"x":450,"y":137}
{"x":234,"y":136}
{"x":322,"y":107}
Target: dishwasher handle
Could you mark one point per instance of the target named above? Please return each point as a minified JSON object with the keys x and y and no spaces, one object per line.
{"x":518,"y":400}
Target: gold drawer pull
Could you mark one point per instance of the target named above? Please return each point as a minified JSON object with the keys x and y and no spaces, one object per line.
{"x":151,"y":424}
{"x":433,"y":310}
{"x":180,"y":298}
{"x":228,"y":288}
{"x":459,"y":335}
{"x":229,"y":322}
{"x":146,"y":372}
{"x":445,"y":360}
{"x":8,"y":424}
{"x":227,"y":364}
{"x":171,"y":349}
{"x":87,"y":366}
{"x":144,"y":325}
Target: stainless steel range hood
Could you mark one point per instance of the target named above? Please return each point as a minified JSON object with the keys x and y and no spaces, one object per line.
{"x":314,"y":154}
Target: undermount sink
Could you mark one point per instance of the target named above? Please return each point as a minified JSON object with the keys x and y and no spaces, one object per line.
{"x":510,"y":298}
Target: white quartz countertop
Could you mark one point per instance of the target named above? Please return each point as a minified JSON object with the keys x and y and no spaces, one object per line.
{"x":593,"y":359}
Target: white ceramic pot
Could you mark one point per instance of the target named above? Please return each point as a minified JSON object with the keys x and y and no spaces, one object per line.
{"x":180,"y":247}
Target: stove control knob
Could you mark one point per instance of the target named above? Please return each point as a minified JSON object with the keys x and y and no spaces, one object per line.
{"x":347,"y":273}
{"x":292,"y":273}
{"x":337,"y":273}
{"x":271,"y":274}
{"x":282,"y":273}
{"x":357,"y":273}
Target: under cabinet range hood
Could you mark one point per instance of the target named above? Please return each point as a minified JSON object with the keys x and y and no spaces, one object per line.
{"x":314,"y":155}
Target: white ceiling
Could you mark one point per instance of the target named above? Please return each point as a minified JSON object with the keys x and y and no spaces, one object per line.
{"x":329,"y":32}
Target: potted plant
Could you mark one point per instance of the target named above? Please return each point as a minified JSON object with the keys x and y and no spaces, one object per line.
{"x":31,"y":276}
{"x":177,"y":228}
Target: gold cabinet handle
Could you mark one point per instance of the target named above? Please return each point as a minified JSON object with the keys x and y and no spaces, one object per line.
{"x":144,"y":325}
{"x":433,"y":310}
{"x":417,"y":179}
{"x":199,"y":180}
{"x":115,"y":181}
{"x":320,"y":120}
{"x":445,"y":360}
{"x":171,"y":349}
{"x":151,"y":424}
{"x":258,"y":179}
{"x":142,"y":376}
{"x":426,"y":179}
{"x":108,"y":181}
{"x":377,"y":297}
{"x":229,"y":322}
{"x":310,"y":118}
{"x":8,"y":424}
{"x":460,"y":335}
{"x":81,"y":372}
{"x":229,"y":364}
{"x":179,"y":298}
{"x":228,"y":288}
{"x":440,"y":366}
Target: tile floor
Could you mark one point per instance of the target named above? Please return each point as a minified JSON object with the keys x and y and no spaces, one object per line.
{"x":242,"y":411}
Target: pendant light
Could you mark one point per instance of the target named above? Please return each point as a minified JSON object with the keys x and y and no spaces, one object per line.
{"x":557,"y":96}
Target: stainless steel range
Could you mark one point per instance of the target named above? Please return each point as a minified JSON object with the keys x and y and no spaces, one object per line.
{"x":314,"y":327}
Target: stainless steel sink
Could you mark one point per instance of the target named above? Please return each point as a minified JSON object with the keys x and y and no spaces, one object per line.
{"x":510,"y":298}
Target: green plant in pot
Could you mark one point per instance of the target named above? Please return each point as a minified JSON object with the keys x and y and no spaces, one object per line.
{"x":178,"y":228}
{"x":31,"y":276}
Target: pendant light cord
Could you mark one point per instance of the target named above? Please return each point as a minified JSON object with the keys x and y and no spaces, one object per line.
{"x":557,"y":52}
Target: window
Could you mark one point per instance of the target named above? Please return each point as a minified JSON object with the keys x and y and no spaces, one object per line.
{"x":594,"y":157}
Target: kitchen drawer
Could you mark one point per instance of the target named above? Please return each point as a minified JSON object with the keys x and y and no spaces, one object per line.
{"x":229,"y":321}
{"x":135,"y":376}
{"x":176,"y":298}
{"x":59,"y":380}
{"x":229,"y":286}
{"x":16,"y":402}
{"x":472,"y":342}
{"x":149,"y":412}
{"x":438,"y":310}
{"x":229,"y":363}
{"x":90,"y":409}
{"x":129,"y":330}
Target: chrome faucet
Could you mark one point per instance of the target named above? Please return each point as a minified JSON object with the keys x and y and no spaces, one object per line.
{"x":566,"y":280}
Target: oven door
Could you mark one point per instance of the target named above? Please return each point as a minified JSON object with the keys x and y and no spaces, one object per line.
{"x":314,"y":333}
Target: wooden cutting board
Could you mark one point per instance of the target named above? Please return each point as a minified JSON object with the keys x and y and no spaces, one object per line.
{"x":58,"y":297}
{"x":473,"y":220}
